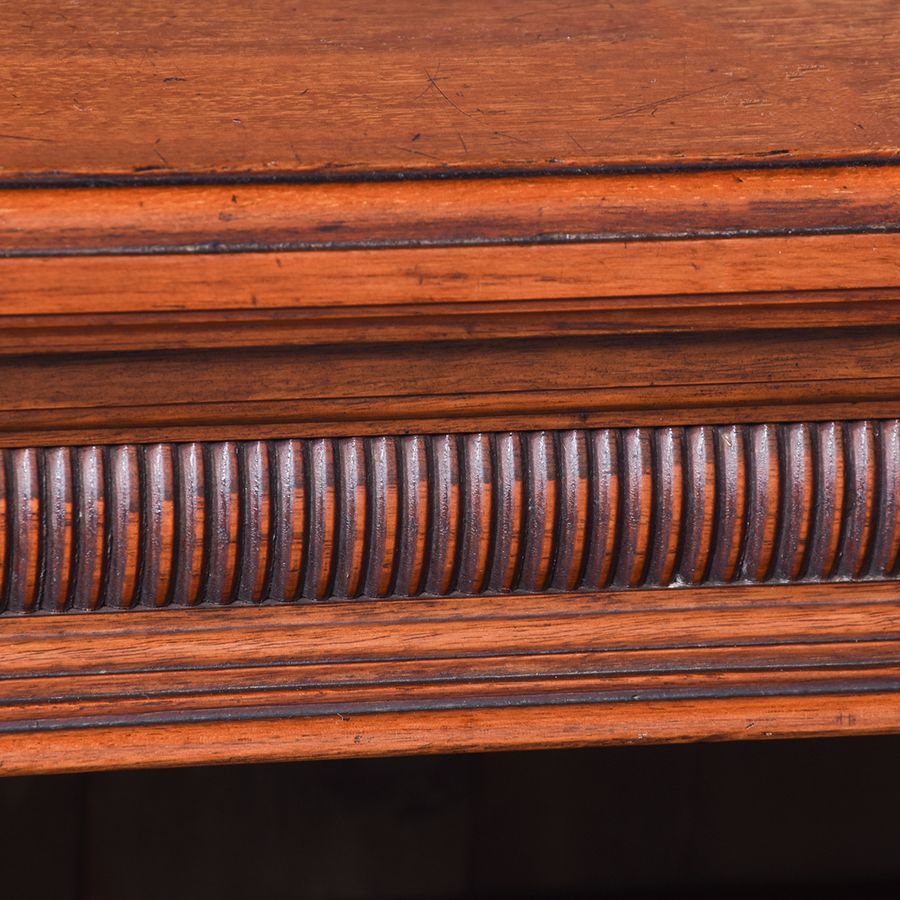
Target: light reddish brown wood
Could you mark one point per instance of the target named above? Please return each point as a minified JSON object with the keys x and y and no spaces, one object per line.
{"x":308,"y":88}
{"x":299,"y":221}
{"x":167,"y":688}
{"x":338,"y":736}
{"x":454,"y":274}
{"x":448,"y":211}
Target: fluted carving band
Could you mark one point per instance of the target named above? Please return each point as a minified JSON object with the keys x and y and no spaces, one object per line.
{"x":303,"y":520}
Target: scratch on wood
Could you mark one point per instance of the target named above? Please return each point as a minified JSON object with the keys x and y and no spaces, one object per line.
{"x":575,"y":141}
{"x":420,"y":153}
{"x":433,"y":83}
{"x":663,"y":101}
{"x":164,"y":160}
{"x":22,"y":137}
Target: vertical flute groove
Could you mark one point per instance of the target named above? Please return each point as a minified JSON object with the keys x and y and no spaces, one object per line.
{"x":281,"y":481}
{"x":856,"y":462}
{"x":150,"y":524}
{"x":375,"y":548}
{"x":788,"y":545}
{"x":503,"y":524}
{"x":534,"y":512}
{"x":347,"y":512}
{"x":22,"y":496}
{"x":472,"y":513}
{"x":887,"y":482}
{"x":86,"y":483}
{"x":602,"y":502}
{"x":565,"y":535}
{"x":438,"y":526}
{"x":725,"y":506}
{"x":693,"y":513}
{"x":217,"y":526}
{"x":663,"y":505}
{"x":758,"y":468}
{"x":118,"y":514}
{"x":250,"y":481}
{"x":824,"y":505}
{"x":54,"y":556}
{"x":631,"y":465}
{"x":154,"y":485}
{"x":294,"y":478}
{"x":404,"y":581}
{"x":316,"y":498}
{"x":185,"y":472}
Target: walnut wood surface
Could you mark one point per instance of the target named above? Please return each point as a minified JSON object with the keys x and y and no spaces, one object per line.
{"x":448,"y":212}
{"x":319,"y":278}
{"x":549,"y":250}
{"x":355,"y":389}
{"x":189,"y":524}
{"x":305,"y":88}
{"x":498,"y":328}
{"x":168,"y":687}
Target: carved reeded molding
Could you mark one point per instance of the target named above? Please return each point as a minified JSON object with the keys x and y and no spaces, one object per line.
{"x":223,"y":523}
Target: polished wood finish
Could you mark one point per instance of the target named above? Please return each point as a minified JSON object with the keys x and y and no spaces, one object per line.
{"x":107,"y":338}
{"x":304,"y":89}
{"x":111,"y":690}
{"x":490,"y":514}
{"x":314,"y":279}
{"x":354,"y":389}
{"x":447,"y":212}
{"x":561,"y":340}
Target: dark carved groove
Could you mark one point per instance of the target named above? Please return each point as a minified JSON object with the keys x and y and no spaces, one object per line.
{"x":602,"y":504}
{"x":471,"y":513}
{"x":409,"y":519}
{"x":887,"y":488}
{"x":375,"y":550}
{"x":726,"y":503}
{"x":503,"y":511}
{"x":86,"y":527}
{"x":566,"y":541}
{"x":317,"y":466}
{"x":223,"y":523}
{"x":824,"y":461}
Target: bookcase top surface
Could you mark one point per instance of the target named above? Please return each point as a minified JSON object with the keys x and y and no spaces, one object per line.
{"x":301,"y":88}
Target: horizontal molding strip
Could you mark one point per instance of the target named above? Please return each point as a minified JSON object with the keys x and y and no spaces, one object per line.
{"x":801,"y":311}
{"x":168,"y":687}
{"x":241,"y":217}
{"x":424,"y":275}
{"x":472,"y":514}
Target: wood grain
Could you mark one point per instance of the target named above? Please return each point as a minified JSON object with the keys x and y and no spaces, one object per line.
{"x":208,"y":90}
{"x":491,"y":514}
{"x":213,"y":346}
{"x":516,"y":376}
{"x":461,"y":386}
{"x":110,"y":690}
{"x":444,"y":323}
{"x":318,"y":278}
{"x":447,"y":212}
